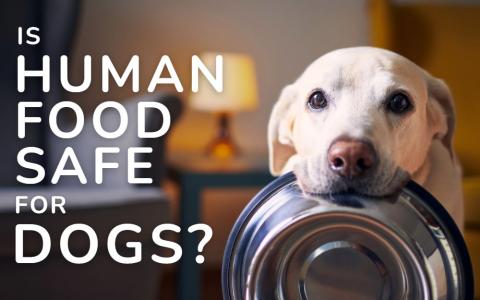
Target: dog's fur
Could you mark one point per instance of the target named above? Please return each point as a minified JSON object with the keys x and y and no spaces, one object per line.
{"x":357,"y":82}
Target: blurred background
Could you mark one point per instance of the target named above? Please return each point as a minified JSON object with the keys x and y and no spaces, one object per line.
{"x":279,"y":38}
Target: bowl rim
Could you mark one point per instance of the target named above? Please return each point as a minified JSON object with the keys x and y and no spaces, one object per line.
{"x":443,"y":217}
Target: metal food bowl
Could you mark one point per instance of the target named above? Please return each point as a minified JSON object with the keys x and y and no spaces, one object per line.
{"x":289,"y":245}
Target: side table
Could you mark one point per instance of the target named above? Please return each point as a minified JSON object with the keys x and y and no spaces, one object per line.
{"x":193,"y":173}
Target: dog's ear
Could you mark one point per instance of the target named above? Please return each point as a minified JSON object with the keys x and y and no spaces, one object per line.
{"x":280,"y":144}
{"x":441,"y":111}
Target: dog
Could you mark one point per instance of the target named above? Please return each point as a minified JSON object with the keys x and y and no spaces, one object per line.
{"x":366,"y":120}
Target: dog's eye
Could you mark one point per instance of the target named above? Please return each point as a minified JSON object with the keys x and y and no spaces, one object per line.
{"x":399,"y":103}
{"x":317,"y":101}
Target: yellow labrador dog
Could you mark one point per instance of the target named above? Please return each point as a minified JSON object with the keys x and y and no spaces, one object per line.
{"x":366,"y":120}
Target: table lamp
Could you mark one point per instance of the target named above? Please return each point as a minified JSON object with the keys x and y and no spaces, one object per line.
{"x":239,"y":94}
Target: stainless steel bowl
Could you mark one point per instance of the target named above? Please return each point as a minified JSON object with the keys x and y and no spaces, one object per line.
{"x":288,"y":245}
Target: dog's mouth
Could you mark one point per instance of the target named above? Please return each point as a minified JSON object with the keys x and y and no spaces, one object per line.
{"x":373,"y":187}
{"x":386,"y":181}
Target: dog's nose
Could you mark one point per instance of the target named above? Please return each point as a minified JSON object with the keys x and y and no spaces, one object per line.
{"x":351,"y":158}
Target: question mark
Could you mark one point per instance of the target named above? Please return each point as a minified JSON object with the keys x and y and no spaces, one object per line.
{"x":206,"y":238}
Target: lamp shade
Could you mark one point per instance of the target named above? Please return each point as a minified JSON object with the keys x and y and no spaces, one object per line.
{"x":239,"y":85}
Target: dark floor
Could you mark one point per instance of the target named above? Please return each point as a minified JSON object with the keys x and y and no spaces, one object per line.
{"x":212,"y":289}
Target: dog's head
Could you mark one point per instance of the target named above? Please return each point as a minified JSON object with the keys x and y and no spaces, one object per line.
{"x":359,"y":119}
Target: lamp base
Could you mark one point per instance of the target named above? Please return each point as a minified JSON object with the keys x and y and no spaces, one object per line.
{"x":222,"y":145}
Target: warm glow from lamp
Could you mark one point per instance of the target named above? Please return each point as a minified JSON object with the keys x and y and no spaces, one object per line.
{"x":239,"y":85}
{"x":239,"y":94}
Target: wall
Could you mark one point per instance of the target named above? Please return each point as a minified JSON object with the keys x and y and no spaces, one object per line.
{"x":283,"y":37}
